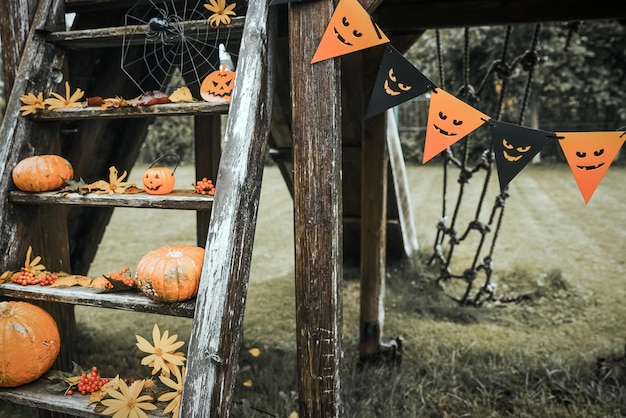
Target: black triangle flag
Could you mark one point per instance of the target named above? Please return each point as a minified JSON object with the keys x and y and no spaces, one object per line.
{"x":397,"y":81}
{"x":514,"y":147}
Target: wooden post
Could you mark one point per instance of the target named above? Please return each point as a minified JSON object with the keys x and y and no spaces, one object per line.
{"x":373,"y":237}
{"x":316,"y":116}
{"x":208,"y":138}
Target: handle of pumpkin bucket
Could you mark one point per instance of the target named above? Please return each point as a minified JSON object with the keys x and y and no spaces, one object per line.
{"x":165,"y":156}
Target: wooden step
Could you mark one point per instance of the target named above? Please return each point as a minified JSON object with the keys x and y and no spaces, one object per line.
{"x":138,"y":34}
{"x":167,"y":109}
{"x":130,"y":300}
{"x":37,"y":395}
{"x":178,"y":199}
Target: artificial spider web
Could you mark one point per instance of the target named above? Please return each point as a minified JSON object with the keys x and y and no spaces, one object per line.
{"x":164,"y":37}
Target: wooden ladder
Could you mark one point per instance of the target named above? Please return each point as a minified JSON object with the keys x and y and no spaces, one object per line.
{"x":62,"y":229}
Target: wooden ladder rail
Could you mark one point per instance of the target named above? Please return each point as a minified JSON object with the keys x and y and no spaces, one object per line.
{"x":217,"y":327}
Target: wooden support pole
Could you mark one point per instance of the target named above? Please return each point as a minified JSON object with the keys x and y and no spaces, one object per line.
{"x":373,"y":237}
{"x":208,"y":143}
{"x":316,"y":116}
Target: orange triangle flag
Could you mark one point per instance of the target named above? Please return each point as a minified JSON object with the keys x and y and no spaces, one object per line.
{"x":449,"y":119}
{"x":589,"y":155}
{"x":350,"y":29}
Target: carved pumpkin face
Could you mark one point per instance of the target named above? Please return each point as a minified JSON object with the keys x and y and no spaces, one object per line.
{"x":218,"y":86}
{"x":395,"y":88}
{"x":158,"y":180}
{"x":446,"y":125}
{"x":591,"y":158}
{"x":513,"y":153}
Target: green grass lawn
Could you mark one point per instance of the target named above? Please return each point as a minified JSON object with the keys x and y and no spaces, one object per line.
{"x":536,"y":358}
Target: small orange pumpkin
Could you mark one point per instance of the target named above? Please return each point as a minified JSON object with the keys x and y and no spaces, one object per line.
{"x":42,"y":173}
{"x":218,"y":85}
{"x":159,"y":180}
{"x":29,"y":343}
{"x":170,"y":273}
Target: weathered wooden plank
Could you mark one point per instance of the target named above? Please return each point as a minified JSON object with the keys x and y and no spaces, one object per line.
{"x":15,"y":18}
{"x":409,"y":16}
{"x":167,"y":109}
{"x":37,"y":395}
{"x":138,"y":34}
{"x":216,"y":332}
{"x":316,"y":125}
{"x":134,"y":300}
{"x":178,"y":199}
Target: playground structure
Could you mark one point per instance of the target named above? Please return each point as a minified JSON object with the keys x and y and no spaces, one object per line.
{"x":298,"y":110}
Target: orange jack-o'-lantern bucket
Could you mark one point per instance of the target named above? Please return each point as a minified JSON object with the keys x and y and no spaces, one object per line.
{"x":160,"y":180}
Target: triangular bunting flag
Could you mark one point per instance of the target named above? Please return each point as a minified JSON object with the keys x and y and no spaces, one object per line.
{"x":589,"y":155}
{"x":449,"y":119}
{"x":350,"y":29}
{"x":397,"y":81}
{"x":514,"y":147}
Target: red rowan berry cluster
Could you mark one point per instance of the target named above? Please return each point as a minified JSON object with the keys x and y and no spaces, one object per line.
{"x":205,"y":186}
{"x":26,"y":277}
{"x":91,"y":382}
{"x":123,"y":276}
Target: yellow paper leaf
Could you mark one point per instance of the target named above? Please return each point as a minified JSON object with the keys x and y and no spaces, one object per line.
{"x":181,"y":95}
{"x":100,"y":283}
{"x":96,"y":396}
{"x":254,"y":352}
{"x":66,"y":281}
{"x":72,"y":380}
{"x":35,"y":261}
{"x":72,"y":280}
{"x":83,"y":281}
{"x":112,"y":384}
{"x":6,"y":276}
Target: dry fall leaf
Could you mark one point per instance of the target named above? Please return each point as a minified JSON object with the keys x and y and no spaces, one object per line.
{"x":115,"y":185}
{"x":72,"y":280}
{"x":150,"y":98}
{"x":181,"y":95}
{"x":6,"y":276}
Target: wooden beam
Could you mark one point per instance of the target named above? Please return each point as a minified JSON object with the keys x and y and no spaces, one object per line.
{"x":316,"y":118}
{"x":409,"y":16}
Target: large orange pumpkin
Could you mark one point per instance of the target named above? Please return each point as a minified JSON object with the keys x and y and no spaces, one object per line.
{"x":29,"y":343}
{"x":42,"y":173}
{"x":170,"y":273}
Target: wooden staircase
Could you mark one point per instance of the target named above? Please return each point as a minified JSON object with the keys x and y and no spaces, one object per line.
{"x":63,"y":229}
